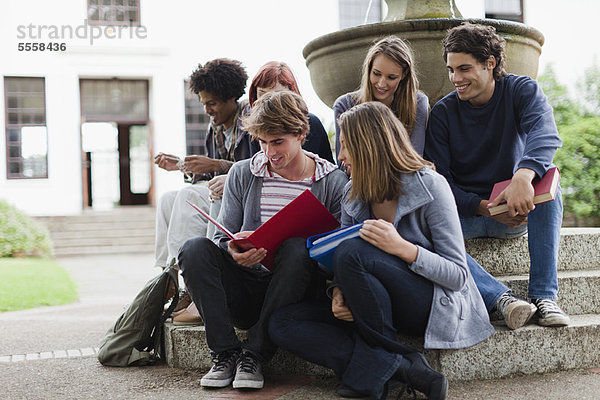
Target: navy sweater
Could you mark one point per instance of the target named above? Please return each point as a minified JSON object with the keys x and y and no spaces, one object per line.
{"x":475,"y":147}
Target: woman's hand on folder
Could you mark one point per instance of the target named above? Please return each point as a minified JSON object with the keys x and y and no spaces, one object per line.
{"x":383,"y":235}
{"x":245,"y":257}
{"x":338,"y":306}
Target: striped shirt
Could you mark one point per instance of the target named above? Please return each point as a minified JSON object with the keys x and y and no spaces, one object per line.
{"x":278,"y":192}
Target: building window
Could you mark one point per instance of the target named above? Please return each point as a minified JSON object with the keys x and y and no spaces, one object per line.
{"x":120,"y":100}
{"x":114,"y":12}
{"x":26,"y":135}
{"x":511,"y":10}
{"x":196,"y":123}
{"x":353,"y":12}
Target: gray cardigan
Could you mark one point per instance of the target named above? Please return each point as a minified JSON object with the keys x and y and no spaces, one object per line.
{"x":427,"y":216}
{"x":240,"y":207}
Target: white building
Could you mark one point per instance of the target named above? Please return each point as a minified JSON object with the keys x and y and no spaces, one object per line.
{"x":82,"y":122}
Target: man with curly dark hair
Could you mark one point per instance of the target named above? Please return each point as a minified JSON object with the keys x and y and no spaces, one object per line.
{"x":219,"y":84}
{"x":494,"y":127}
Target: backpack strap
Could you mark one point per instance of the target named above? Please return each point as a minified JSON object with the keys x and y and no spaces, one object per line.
{"x":159,"y":349}
{"x":139,"y":358}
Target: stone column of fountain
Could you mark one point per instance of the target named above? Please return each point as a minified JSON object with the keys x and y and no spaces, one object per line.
{"x":334,"y":60}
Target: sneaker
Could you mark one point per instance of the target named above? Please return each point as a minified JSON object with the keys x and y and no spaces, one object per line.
{"x":516,"y":312}
{"x":248,"y":374}
{"x":223,"y":370}
{"x":549,"y":313}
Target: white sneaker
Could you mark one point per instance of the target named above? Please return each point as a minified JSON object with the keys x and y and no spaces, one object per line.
{"x":248,"y":374}
{"x":550,"y":314}
{"x":223,"y":370}
{"x":516,"y":312}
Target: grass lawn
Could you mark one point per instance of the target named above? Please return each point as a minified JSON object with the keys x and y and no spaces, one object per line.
{"x":34,"y":282}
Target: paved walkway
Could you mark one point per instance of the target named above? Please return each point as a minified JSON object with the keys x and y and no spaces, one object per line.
{"x":49,"y":353}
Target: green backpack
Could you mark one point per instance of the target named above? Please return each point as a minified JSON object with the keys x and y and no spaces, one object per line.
{"x":135,"y":338}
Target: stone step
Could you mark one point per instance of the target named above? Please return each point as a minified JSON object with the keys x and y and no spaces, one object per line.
{"x":82,"y":227}
{"x":579,"y":291}
{"x":103,"y":241}
{"x":531,"y":349}
{"x":95,"y":250}
{"x":104,"y":233}
{"x":579,"y":249}
{"x":129,"y":229}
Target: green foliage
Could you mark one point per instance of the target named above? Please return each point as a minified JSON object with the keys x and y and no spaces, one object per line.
{"x":566,"y":111}
{"x":579,"y":128}
{"x":579,"y":162}
{"x":590,"y":87}
{"x":34,"y":282}
{"x":20,"y":235}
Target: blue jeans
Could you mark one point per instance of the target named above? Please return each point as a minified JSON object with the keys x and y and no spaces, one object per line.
{"x":543,"y":229}
{"x":386,"y":298}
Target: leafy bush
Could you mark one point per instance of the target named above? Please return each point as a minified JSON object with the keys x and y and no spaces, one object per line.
{"x":579,"y":128}
{"x":20,"y":235}
{"x":579,"y":162}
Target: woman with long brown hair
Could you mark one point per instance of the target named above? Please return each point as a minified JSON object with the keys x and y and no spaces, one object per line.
{"x":405,"y":275}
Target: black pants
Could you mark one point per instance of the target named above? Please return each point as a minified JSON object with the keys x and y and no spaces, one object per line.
{"x":230,"y":295}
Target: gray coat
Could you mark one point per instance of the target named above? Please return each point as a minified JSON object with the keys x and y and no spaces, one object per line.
{"x":427,"y":216}
{"x":240,"y":208}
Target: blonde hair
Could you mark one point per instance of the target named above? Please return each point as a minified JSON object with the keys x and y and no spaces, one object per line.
{"x":380,"y":150}
{"x":405,"y":98}
{"x":275,"y":113}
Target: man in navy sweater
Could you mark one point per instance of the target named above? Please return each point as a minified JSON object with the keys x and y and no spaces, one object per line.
{"x":497,"y":126}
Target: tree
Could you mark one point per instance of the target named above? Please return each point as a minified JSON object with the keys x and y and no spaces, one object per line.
{"x":590,"y":87}
{"x":566,"y":111}
{"x":579,"y":163}
{"x":579,"y":157}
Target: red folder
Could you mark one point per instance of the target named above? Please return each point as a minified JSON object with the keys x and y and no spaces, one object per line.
{"x":545,"y":190}
{"x":303,"y":217}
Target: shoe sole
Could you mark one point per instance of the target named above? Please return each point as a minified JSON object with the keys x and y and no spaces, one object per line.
{"x":519,"y":315}
{"x":554,"y":322}
{"x":214,"y":383}
{"x":186,"y":323}
{"x":247,"y":384}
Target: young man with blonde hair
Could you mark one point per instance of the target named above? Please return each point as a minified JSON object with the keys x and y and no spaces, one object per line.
{"x":228,"y":284}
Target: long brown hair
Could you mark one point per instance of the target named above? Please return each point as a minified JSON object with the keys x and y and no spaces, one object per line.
{"x":405,"y":97}
{"x":380,"y":151}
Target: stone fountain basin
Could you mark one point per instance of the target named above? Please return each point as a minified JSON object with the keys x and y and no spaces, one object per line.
{"x":335,"y":60}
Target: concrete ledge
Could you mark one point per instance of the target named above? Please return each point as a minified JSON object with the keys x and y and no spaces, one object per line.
{"x":579,"y":249}
{"x":186,"y":348}
{"x":579,"y":291}
{"x":531,"y":349}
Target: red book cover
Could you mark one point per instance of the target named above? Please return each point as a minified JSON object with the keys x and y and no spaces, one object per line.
{"x":303,"y":217}
{"x":545,"y":190}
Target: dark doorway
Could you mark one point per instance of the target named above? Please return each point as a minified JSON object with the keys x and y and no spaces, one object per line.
{"x":134,"y":165}
{"x":115,"y":142}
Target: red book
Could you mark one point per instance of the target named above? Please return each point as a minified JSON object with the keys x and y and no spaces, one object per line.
{"x":545,"y":190}
{"x":303,"y":217}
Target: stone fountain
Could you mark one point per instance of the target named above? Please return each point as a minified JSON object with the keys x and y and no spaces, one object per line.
{"x":335,"y":60}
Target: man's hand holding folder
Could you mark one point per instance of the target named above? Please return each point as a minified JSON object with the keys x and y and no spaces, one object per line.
{"x":245,"y":257}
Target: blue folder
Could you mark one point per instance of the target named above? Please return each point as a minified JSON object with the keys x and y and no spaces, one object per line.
{"x":322,"y":246}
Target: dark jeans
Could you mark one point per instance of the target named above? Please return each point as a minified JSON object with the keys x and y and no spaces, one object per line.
{"x":230,"y":295}
{"x":386,"y":298}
